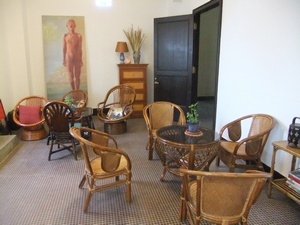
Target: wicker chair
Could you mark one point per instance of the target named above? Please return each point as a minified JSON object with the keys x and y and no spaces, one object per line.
{"x":106,"y":161}
{"x":244,"y":152}
{"x":60,"y":117}
{"x":118,"y":99}
{"x":160,"y":114}
{"x":218,"y":197}
{"x":28,"y":114}
{"x":79,"y":97}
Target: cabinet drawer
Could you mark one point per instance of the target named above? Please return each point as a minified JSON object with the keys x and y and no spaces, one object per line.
{"x":133,"y":75}
{"x":139,"y":85}
{"x":138,"y":107}
{"x":139,"y":97}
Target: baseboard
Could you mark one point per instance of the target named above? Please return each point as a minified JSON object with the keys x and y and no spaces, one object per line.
{"x":206,"y":98}
{"x":276,"y":175}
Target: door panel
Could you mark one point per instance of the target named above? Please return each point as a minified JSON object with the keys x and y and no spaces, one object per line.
{"x":166,"y":92}
{"x":173,"y":47}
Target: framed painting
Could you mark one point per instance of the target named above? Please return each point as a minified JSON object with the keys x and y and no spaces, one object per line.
{"x":64,"y":54}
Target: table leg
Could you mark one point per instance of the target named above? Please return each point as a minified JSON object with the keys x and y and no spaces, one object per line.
{"x":275,"y":149}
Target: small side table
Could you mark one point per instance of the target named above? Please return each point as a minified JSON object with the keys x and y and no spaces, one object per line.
{"x":281,"y":184}
{"x":86,"y":114}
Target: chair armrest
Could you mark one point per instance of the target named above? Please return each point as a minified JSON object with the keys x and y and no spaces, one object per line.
{"x":258,"y":144}
{"x":233,"y":128}
{"x":99,"y":105}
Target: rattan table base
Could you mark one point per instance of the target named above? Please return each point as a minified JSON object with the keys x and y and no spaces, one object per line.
{"x":115,"y":128}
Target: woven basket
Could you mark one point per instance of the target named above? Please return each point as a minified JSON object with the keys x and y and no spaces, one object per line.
{"x":115,"y":128}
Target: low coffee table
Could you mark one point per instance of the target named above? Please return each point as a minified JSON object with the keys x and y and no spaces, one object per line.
{"x":177,"y":149}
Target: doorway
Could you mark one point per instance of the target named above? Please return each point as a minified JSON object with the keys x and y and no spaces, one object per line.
{"x":186,"y":60}
{"x":206,"y":45}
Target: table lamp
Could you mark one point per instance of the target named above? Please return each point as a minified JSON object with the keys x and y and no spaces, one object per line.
{"x":121,"y":47}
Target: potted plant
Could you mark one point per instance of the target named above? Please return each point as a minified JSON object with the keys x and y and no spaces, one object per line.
{"x":193,"y":118}
{"x":69,"y":101}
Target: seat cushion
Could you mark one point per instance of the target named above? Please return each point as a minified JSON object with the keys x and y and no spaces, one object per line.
{"x":29,"y":114}
{"x":230,"y":146}
{"x":96,"y":165}
{"x":116,"y":113}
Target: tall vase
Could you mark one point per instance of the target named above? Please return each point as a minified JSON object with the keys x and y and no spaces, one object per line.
{"x":136,"y":57}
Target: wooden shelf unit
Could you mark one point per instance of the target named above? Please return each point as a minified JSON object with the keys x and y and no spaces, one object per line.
{"x":281,"y":184}
{"x":135,"y":75}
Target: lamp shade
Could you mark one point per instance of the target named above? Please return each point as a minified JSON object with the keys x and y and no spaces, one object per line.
{"x":121,"y":47}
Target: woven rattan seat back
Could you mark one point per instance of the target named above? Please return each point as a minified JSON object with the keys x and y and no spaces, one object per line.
{"x":33,"y":128}
{"x":79,"y":98}
{"x":161,"y":114}
{"x":244,"y":151}
{"x":60,"y":117}
{"x":119,"y":98}
{"x":104,"y":162}
{"x":221,"y":198}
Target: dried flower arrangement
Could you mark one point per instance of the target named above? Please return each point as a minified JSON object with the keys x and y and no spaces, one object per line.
{"x":135,"y":38}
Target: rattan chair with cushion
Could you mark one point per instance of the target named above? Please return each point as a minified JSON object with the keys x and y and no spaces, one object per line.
{"x":60,"y":117}
{"x":28,"y":113}
{"x":103,"y":162}
{"x":116,"y":108}
{"x":160,"y":114}
{"x":76,"y":98}
{"x":218,"y":197}
{"x":238,"y":151}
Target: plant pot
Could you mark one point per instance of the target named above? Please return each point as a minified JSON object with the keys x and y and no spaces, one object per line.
{"x":193,"y":127}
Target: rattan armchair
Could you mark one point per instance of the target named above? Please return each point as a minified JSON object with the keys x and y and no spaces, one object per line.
{"x":28,"y":114}
{"x":105,"y":162}
{"x":116,"y":108}
{"x":60,"y":117}
{"x":237,"y":151}
{"x":79,"y":98}
{"x":218,"y":197}
{"x":160,"y":114}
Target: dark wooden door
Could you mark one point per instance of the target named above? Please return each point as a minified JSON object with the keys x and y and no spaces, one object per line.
{"x":173,"y":49}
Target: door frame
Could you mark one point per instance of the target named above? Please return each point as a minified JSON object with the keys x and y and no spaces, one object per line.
{"x":196,"y":14}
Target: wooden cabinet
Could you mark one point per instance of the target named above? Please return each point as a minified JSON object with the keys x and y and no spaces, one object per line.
{"x":280,"y":183}
{"x":135,"y":75}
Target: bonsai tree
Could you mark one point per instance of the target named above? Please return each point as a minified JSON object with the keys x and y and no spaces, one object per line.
{"x":192,"y":116}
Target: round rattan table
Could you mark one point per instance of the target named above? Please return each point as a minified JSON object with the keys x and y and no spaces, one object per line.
{"x":176,"y":148}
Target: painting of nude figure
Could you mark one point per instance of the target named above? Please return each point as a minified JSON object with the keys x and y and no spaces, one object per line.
{"x":64,"y":55}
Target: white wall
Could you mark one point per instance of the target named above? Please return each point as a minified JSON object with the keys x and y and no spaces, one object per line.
{"x":22,"y":62}
{"x":259,"y":65}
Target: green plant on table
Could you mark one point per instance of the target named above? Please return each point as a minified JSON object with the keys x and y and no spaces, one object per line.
{"x":193,"y":116}
{"x":69,"y":101}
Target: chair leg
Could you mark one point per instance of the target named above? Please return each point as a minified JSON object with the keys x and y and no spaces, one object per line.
{"x":182,"y":215}
{"x":217,"y":161}
{"x":128,"y":192}
{"x":74,"y":149}
{"x":162,"y":177}
{"x":50,"y":151}
{"x":150,"y":154}
{"x":87,"y":201}
{"x":82,"y":182}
